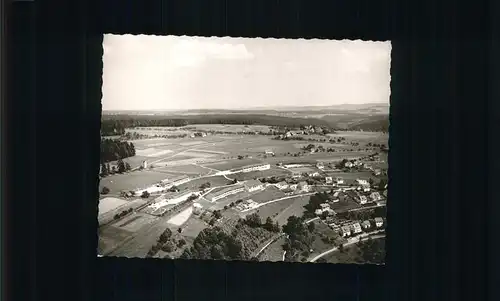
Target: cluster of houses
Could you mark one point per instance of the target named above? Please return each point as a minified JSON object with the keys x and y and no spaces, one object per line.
{"x":198,"y":134}
{"x":356,"y":228}
{"x":301,"y":186}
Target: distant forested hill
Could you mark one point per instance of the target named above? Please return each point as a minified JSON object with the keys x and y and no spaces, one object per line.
{"x":116,"y":124}
{"x":380,"y":125}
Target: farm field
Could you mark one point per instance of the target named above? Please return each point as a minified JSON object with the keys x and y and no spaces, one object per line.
{"x":273,"y":171}
{"x":225,"y":128}
{"x":110,"y":238}
{"x":108,"y":216}
{"x":374,"y":137}
{"x":296,"y":208}
{"x":135,"y":222}
{"x":110,"y":203}
{"x":191,"y":228}
{"x":270,"y":193}
{"x":182,"y":217}
{"x":194,"y":185}
{"x":230,"y":164}
{"x":133,"y":180}
{"x":141,"y":241}
{"x":188,"y":170}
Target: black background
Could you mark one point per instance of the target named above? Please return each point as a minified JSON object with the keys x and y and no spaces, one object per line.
{"x":443,"y":154}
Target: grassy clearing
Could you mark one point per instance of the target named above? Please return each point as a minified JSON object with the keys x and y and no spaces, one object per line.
{"x":296,"y":208}
{"x":322,"y":233}
{"x":269,"y":194}
{"x":133,"y":180}
{"x":274,"y":252}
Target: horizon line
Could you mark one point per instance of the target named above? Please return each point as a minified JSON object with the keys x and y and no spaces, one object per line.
{"x":252,"y":108}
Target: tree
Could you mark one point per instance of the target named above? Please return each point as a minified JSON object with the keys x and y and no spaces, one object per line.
{"x":310,"y":227}
{"x":105,"y":190}
{"x":165,"y":236}
{"x":179,"y":230}
{"x":269,"y":225}
{"x":121,"y":166}
{"x":381,"y":184}
{"x":145,"y":194}
{"x":217,"y":214}
{"x":371,"y":182}
{"x":181,"y":243}
{"x":127,"y":166}
{"x":321,"y":260}
{"x":341,"y":248}
{"x":253,"y":220}
{"x":168,"y":247}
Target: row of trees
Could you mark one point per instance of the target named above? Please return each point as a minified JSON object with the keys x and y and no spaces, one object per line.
{"x":121,"y":167}
{"x":112,"y":150}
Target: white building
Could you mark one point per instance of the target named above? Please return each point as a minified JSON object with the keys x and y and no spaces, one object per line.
{"x":324,"y":206}
{"x":313,"y":174}
{"x":320,"y":165}
{"x":375,"y":196}
{"x":281,"y":185}
{"x":339,"y":180}
{"x":362,"y":182}
{"x":257,"y":167}
{"x":379,"y":222}
{"x":348,"y":164}
{"x":268,"y":152}
{"x":356,"y":228}
{"x":329,"y":180}
{"x":226,"y":192}
{"x":366,"y":224}
{"x":335,"y":200}
{"x":318,"y":212}
{"x":253,"y":185}
{"x":363,"y":199}
{"x":346,"y":231}
{"x":303,"y":186}
{"x":144,"y":164}
{"x":293,"y":186}
{"x":176,"y":181}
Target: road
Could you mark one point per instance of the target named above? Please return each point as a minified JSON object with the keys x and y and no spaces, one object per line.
{"x":351,"y":241}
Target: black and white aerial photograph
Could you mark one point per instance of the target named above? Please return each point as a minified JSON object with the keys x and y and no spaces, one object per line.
{"x":248,"y":149}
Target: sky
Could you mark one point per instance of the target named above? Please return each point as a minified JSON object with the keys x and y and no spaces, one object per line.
{"x":142,"y":72}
